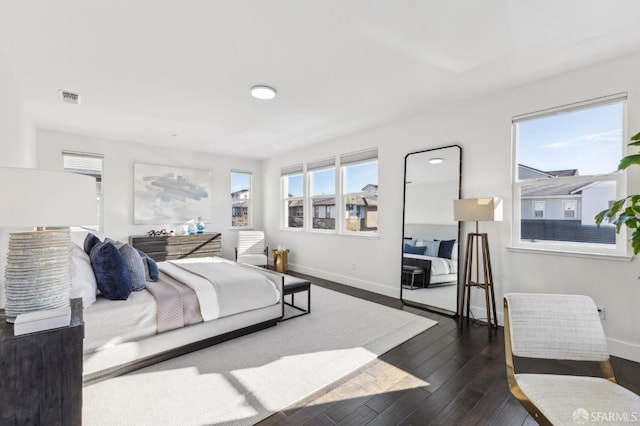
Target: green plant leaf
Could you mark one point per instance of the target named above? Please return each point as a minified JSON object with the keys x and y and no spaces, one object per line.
{"x":635,"y":241}
{"x":628,"y":216}
{"x":600,"y":217}
{"x":629,"y":160}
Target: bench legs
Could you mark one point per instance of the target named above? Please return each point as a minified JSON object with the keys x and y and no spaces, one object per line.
{"x":293,"y":302}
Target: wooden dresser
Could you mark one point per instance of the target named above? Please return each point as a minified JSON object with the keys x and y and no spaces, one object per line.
{"x":41,"y":373}
{"x":165,"y":247}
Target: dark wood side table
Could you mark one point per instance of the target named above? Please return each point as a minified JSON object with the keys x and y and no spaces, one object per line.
{"x":170,"y":247}
{"x":41,"y":373}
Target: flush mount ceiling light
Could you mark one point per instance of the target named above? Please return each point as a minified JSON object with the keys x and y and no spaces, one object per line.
{"x":263,"y":92}
{"x":436,"y":160}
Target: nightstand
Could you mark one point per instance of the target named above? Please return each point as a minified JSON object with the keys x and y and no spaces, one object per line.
{"x":41,"y":373}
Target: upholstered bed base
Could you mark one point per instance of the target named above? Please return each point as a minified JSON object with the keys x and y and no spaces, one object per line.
{"x":126,"y":357}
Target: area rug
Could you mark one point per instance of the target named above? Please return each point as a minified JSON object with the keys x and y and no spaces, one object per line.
{"x":243,"y":381}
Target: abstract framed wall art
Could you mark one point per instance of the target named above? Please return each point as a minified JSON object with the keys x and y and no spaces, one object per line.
{"x":170,"y":195}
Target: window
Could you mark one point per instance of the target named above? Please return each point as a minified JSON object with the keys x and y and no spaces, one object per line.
{"x":322,"y":191}
{"x":359,"y":173}
{"x":569,"y":209}
{"x":293,"y":196}
{"x":240,"y":199}
{"x":538,"y":209}
{"x":90,"y":165}
{"x":313,"y":200}
{"x":565,"y":172}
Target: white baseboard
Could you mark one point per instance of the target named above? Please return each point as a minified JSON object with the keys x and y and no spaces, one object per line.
{"x":622,"y":349}
{"x":343,"y":279}
{"x":480,"y":312}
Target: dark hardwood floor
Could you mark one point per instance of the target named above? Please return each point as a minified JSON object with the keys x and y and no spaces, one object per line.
{"x":443,"y":376}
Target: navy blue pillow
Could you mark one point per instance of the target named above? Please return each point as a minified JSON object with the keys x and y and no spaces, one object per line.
{"x":111,"y":271}
{"x":409,"y":249}
{"x":89,"y":242}
{"x":153,"y":268}
{"x":446,"y":248}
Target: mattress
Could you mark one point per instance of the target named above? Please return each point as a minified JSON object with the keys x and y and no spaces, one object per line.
{"x":111,"y":322}
{"x":439,"y":265}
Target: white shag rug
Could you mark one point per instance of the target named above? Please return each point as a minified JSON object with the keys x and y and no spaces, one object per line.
{"x":244,"y":380}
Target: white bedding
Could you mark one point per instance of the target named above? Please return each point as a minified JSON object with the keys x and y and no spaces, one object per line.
{"x":439,"y":265}
{"x":111,"y":322}
{"x":223,"y":287}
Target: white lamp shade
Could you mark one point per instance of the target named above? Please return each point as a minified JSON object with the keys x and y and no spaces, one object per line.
{"x":477,"y":209}
{"x":32,"y":197}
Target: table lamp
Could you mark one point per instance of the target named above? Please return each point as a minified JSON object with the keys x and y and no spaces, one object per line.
{"x":478,"y":209}
{"x":37,"y":273}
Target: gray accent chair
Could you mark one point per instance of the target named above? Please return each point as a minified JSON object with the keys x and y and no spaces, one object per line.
{"x":562,"y":327}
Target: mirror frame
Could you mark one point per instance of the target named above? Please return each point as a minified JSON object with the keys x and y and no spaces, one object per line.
{"x":404,"y":195}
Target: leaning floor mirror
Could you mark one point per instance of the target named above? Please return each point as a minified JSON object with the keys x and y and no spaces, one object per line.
{"x":430,"y":248}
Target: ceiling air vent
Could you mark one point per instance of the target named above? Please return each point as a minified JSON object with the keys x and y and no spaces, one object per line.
{"x":69,"y":97}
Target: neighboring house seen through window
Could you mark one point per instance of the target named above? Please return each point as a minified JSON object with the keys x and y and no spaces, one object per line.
{"x":322,"y":191}
{"x":360,"y":191}
{"x":90,"y":165}
{"x":241,"y":199}
{"x":565,"y":172}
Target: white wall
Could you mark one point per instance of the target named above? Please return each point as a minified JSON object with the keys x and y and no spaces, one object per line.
{"x":595,"y":198}
{"x":119,"y":157}
{"x":17,"y":143}
{"x":17,"y":139}
{"x":483,"y":128}
{"x":430,"y":203}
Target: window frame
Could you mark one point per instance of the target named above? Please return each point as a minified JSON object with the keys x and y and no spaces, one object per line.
{"x":619,"y":178}
{"x":310,"y":169}
{"x":565,"y":203}
{"x":99,"y":226}
{"x":249,"y":199}
{"x":355,"y":159}
{"x":285,"y":174}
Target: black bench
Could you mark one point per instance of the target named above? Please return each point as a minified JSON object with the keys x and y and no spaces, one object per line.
{"x":293,"y":285}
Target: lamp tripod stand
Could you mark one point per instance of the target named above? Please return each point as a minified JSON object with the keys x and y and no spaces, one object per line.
{"x":478,"y":245}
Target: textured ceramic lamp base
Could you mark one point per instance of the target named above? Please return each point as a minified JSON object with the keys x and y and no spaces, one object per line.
{"x":37,"y":276}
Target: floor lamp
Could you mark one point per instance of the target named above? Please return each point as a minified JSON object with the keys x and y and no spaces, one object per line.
{"x":37,"y":273}
{"x":477,"y":256}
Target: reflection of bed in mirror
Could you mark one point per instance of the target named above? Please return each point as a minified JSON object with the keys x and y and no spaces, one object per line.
{"x":434,"y":249}
{"x":430,"y":247}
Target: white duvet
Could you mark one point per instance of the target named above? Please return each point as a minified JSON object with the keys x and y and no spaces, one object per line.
{"x":439,"y":265}
{"x":223,"y":287}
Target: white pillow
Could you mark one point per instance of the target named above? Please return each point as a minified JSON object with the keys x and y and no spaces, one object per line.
{"x":83,"y":280}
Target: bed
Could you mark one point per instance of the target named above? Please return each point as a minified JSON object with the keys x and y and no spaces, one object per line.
{"x":438,"y":270}
{"x":193,"y":304}
{"x":437,"y":258}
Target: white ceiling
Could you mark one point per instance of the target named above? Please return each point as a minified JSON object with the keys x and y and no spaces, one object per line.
{"x":151,"y":69}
